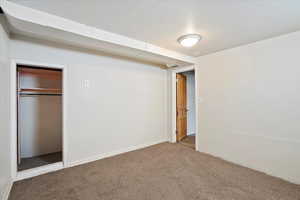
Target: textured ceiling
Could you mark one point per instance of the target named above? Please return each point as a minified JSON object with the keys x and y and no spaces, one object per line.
{"x":222,"y":23}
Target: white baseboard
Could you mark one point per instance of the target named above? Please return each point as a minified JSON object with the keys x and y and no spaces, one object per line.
{"x":262,"y":150}
{"x":38,"y":171}
{"x":57,"y":166}
{"x":113,"y":153}
{"x":6,"y":190}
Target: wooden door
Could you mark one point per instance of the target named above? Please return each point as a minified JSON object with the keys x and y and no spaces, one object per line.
{"x":181,"y":110}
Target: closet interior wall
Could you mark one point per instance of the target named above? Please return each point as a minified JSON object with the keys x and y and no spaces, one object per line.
{"x":39,"y":116}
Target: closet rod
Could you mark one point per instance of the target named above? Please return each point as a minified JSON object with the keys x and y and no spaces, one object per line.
{"x":39,"y":94}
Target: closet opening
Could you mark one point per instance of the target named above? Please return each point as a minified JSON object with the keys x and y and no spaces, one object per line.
{"x":39,"y":100}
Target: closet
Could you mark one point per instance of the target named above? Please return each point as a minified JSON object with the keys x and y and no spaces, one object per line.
{"x":39,"y":116}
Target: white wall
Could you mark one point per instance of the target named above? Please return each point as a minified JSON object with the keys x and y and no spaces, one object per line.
{"x":4,"y":110}
{"x":250,"y":106}
{"x":40,"y":118}
{"x":124,"y":106}
{"x":191,"y":104}
{"x":40,"y":125}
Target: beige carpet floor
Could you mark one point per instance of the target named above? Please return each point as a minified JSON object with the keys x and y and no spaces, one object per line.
{"x":160,"y":172}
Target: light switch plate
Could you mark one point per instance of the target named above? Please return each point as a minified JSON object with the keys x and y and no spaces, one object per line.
{"x":86,"y":84}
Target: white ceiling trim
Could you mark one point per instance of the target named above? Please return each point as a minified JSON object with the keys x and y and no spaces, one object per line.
{"x":19,"y":16}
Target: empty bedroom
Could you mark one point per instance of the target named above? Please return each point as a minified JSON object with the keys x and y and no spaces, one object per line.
{"x":149,"y":100}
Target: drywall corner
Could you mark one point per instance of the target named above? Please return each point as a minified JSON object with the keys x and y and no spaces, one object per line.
{"x":6,"y":190}
{"x":5,"y":151}
{"x":250,"y":106}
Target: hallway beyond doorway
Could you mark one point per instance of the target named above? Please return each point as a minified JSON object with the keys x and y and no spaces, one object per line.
{"x":189,"y":141}
{"x":185,"y":109}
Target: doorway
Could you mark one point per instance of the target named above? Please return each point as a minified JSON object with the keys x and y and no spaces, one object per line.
{"x":186,"y":109}
{"x":38,"y":118}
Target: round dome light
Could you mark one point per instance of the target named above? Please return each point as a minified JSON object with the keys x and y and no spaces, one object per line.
{"x":189,"y":40}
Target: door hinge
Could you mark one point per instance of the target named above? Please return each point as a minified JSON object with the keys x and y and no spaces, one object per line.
{"x":176,"y":132}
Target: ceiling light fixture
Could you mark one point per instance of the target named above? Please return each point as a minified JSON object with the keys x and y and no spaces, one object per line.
{"x":189,"y":40}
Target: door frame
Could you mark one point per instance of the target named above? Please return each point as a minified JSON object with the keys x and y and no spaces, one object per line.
{"x":13,"y":117}
{"x":173,"y":102}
